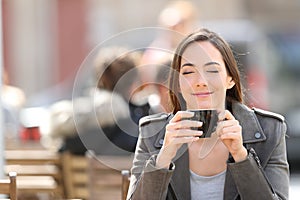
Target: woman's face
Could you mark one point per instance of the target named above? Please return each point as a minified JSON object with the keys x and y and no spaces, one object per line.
{"x":203,"y":78}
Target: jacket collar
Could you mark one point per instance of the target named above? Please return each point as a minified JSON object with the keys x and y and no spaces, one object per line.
{"x":251,"y":129}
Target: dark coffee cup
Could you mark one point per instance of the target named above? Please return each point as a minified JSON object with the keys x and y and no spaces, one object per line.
{"x":209,"y":118}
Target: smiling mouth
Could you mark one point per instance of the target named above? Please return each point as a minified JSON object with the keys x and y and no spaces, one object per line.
{"x":202,"y":94}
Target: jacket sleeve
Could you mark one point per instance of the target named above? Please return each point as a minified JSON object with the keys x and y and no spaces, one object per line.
{"x":147,"y":181}
{"x":270,"y":182}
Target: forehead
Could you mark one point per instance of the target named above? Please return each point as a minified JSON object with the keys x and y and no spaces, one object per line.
{"x":201,"y":51}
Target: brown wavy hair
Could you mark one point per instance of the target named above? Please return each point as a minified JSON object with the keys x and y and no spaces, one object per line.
{"x":233,"y":94}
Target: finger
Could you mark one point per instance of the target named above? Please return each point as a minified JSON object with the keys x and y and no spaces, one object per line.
{"x":186,"y":124}
{"x":183,"y":140}
{"x":227,"y":123}
{"x":229,"y":129}
{"x":228,"y":115}
{"x":180,"y":115}
{"x":185,"y":133}
{"x":231,"y":136}
{"x":225,"y":114}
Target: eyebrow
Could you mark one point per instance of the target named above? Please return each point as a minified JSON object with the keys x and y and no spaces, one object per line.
{"x":187,"y":64}
{"x":206,"y":64}
{"x":211,"y":63}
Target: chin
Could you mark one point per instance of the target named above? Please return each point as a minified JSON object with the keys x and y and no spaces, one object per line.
{"x":201,"y":106}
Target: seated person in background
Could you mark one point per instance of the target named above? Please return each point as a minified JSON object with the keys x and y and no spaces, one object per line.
{"x":107,"y":120}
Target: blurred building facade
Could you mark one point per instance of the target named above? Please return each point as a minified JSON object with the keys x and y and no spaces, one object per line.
{"x":46,"y":41}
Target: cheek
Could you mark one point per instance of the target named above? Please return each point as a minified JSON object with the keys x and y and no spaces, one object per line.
{"x":218,"y":82}
{"x":183,"y":83}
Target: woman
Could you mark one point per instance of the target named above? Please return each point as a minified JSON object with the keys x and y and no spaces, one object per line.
{"x":244,"y":159}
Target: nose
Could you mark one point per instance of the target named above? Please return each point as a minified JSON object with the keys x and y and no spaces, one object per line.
{"x":200,"y":80}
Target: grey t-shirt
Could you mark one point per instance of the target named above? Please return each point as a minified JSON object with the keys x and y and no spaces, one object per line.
{"x":207,"y":187}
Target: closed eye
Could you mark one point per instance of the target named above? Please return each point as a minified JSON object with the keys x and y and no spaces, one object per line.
{"x":212,"y":67}
{"x":188,"y":72}
{"x":212,"y":71}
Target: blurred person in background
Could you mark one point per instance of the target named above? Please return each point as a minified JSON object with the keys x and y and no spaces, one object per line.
{"x":107,"y":120}
{"x":13,"y":100}
{"x":178,"y":18}
{"x":245,"y":157}
{"x":160,"y":101}
{"x":174,"y":21}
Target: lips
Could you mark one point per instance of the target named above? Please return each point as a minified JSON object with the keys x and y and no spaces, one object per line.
{"x":202,"y":94}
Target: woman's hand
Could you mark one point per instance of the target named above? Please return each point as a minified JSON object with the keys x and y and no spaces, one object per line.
{"x":178,"y":132}
{"x":229,"y":131}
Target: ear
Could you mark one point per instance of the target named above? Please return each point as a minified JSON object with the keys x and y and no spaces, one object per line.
{"x":230,"y":83}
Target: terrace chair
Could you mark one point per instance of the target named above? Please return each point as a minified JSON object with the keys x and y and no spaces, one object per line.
{"x":105,"y":178}
{"x":125,"y":183}
{"x":9,"y":186}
